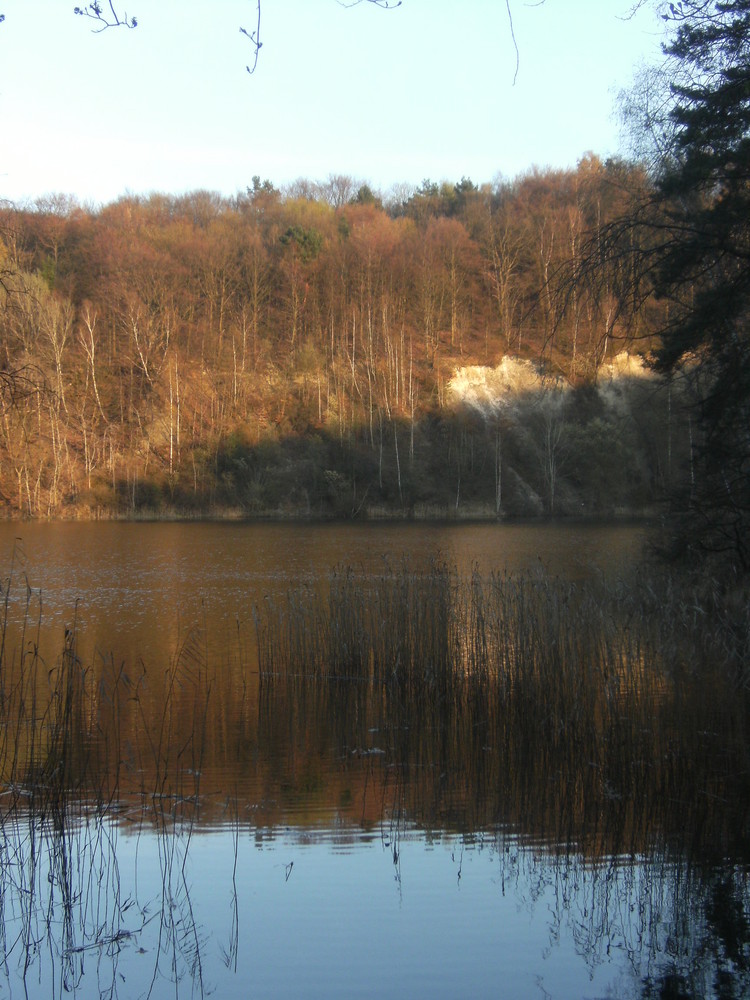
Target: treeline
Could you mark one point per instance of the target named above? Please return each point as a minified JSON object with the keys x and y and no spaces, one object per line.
{"x":294,"y":351}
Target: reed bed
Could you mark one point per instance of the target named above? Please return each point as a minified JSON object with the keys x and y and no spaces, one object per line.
{"x":428,"y":633}
{"x":610,"y":706}
{"x":598,"y":720}
{"x":621,"y":710}
{"x":67,"y":728}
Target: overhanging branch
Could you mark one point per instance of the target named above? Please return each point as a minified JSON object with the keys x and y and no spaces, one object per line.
{"x":105,"y":20}
{"x":253,"y":34}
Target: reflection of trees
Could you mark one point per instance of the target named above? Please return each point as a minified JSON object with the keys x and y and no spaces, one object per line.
{"x":613,"y":767}
{"x":707,"y":950}
{"x":573,"y":714}
{"x":588,"y":714}
{"x":681,"y":929}
{"x":73,"y":911}
{"x":575,"y":729}
{"x":584,"y":713}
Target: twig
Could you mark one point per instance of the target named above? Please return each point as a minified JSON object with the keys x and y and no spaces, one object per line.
{"x":255,"y":41}
{"x":94,"y":11}
{"x":513,"y":39}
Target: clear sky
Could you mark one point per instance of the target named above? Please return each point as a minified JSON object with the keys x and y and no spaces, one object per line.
{"x":423,"y":91}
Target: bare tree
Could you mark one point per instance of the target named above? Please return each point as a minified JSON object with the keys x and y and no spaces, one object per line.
{"x":88,"y":338}
{"x":339,"y":189}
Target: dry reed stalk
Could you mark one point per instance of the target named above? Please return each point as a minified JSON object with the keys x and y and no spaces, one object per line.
{"x":584,"y":678}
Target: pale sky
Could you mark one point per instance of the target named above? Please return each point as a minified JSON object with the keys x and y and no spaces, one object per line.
{"x":422,"y":91}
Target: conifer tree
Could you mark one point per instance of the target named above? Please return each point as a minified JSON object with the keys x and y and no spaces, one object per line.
{"x":699,"y":258}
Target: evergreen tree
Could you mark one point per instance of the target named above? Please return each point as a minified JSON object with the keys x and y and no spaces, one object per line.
{"x":699,"y":260}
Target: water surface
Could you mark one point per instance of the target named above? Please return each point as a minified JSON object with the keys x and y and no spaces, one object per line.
{"x":309,"y":842}
{"x":136,"y":589}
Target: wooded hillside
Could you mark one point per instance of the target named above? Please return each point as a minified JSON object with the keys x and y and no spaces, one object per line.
{"x":297,"y":352}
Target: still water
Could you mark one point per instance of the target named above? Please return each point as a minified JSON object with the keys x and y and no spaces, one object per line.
{"x":301,"y":849}
{"x":136,"y":589}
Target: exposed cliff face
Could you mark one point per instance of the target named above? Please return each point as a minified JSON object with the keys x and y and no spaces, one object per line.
{"x":490,"y":391}
{"x":559,"y":449}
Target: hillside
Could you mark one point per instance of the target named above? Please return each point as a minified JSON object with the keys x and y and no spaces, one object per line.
{"x":317,"y":352}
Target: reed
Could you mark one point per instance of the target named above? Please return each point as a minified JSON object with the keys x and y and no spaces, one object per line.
{"x":425,"y":631}
{"x":612,"y":705}
{"x":67,"y":728}
{"x":623,"y":710}
{"x":595,"y":719}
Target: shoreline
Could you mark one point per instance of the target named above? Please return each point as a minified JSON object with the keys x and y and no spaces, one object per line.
{"x":423,"y":513}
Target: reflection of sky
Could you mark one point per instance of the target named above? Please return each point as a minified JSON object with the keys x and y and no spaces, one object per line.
{"x":329,"y":910}
{"x":451,"y":918}
{"x":446,"y":921}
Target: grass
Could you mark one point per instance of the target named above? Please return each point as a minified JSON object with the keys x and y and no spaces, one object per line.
{"x":77,"y":736}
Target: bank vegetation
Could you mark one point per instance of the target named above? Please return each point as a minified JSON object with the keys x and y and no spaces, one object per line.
{"x":317,"y":352}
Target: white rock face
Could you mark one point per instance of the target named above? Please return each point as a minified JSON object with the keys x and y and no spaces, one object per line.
{"x":628,"y":366}
{"x":490,"y":390}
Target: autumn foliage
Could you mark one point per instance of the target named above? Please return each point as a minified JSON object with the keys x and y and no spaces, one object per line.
{"x":293,"y":352}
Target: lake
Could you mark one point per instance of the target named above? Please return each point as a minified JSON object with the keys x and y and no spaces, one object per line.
{"x":137,"y":588}
{"x":274,"y":834}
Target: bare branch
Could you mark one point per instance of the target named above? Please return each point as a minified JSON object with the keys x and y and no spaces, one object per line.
{"x":96,"y":12}
{"x":515,"y":43}
{"x":253,"y":34}
{"x":636,"y":6}
{"x":19,"y":383}
{"x":255,"y":41}
{"x":385,"y":4}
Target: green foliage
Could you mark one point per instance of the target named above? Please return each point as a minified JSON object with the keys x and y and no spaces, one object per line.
{"x":446,"y":199}
{"x":261,"y":187}
{"x":366,"y":196}
{"x":308,"y":241}
{"x":48,"y":271}
{"x":701,"y":267}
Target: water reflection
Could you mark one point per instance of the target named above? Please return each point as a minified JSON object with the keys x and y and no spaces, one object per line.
{"x":138,"y":589}
{"x":99,"y":908}
{"x":84,"y":915}
{"x":453,"y":804}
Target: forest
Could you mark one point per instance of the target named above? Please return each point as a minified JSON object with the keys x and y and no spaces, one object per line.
{"x":317,"y":351}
